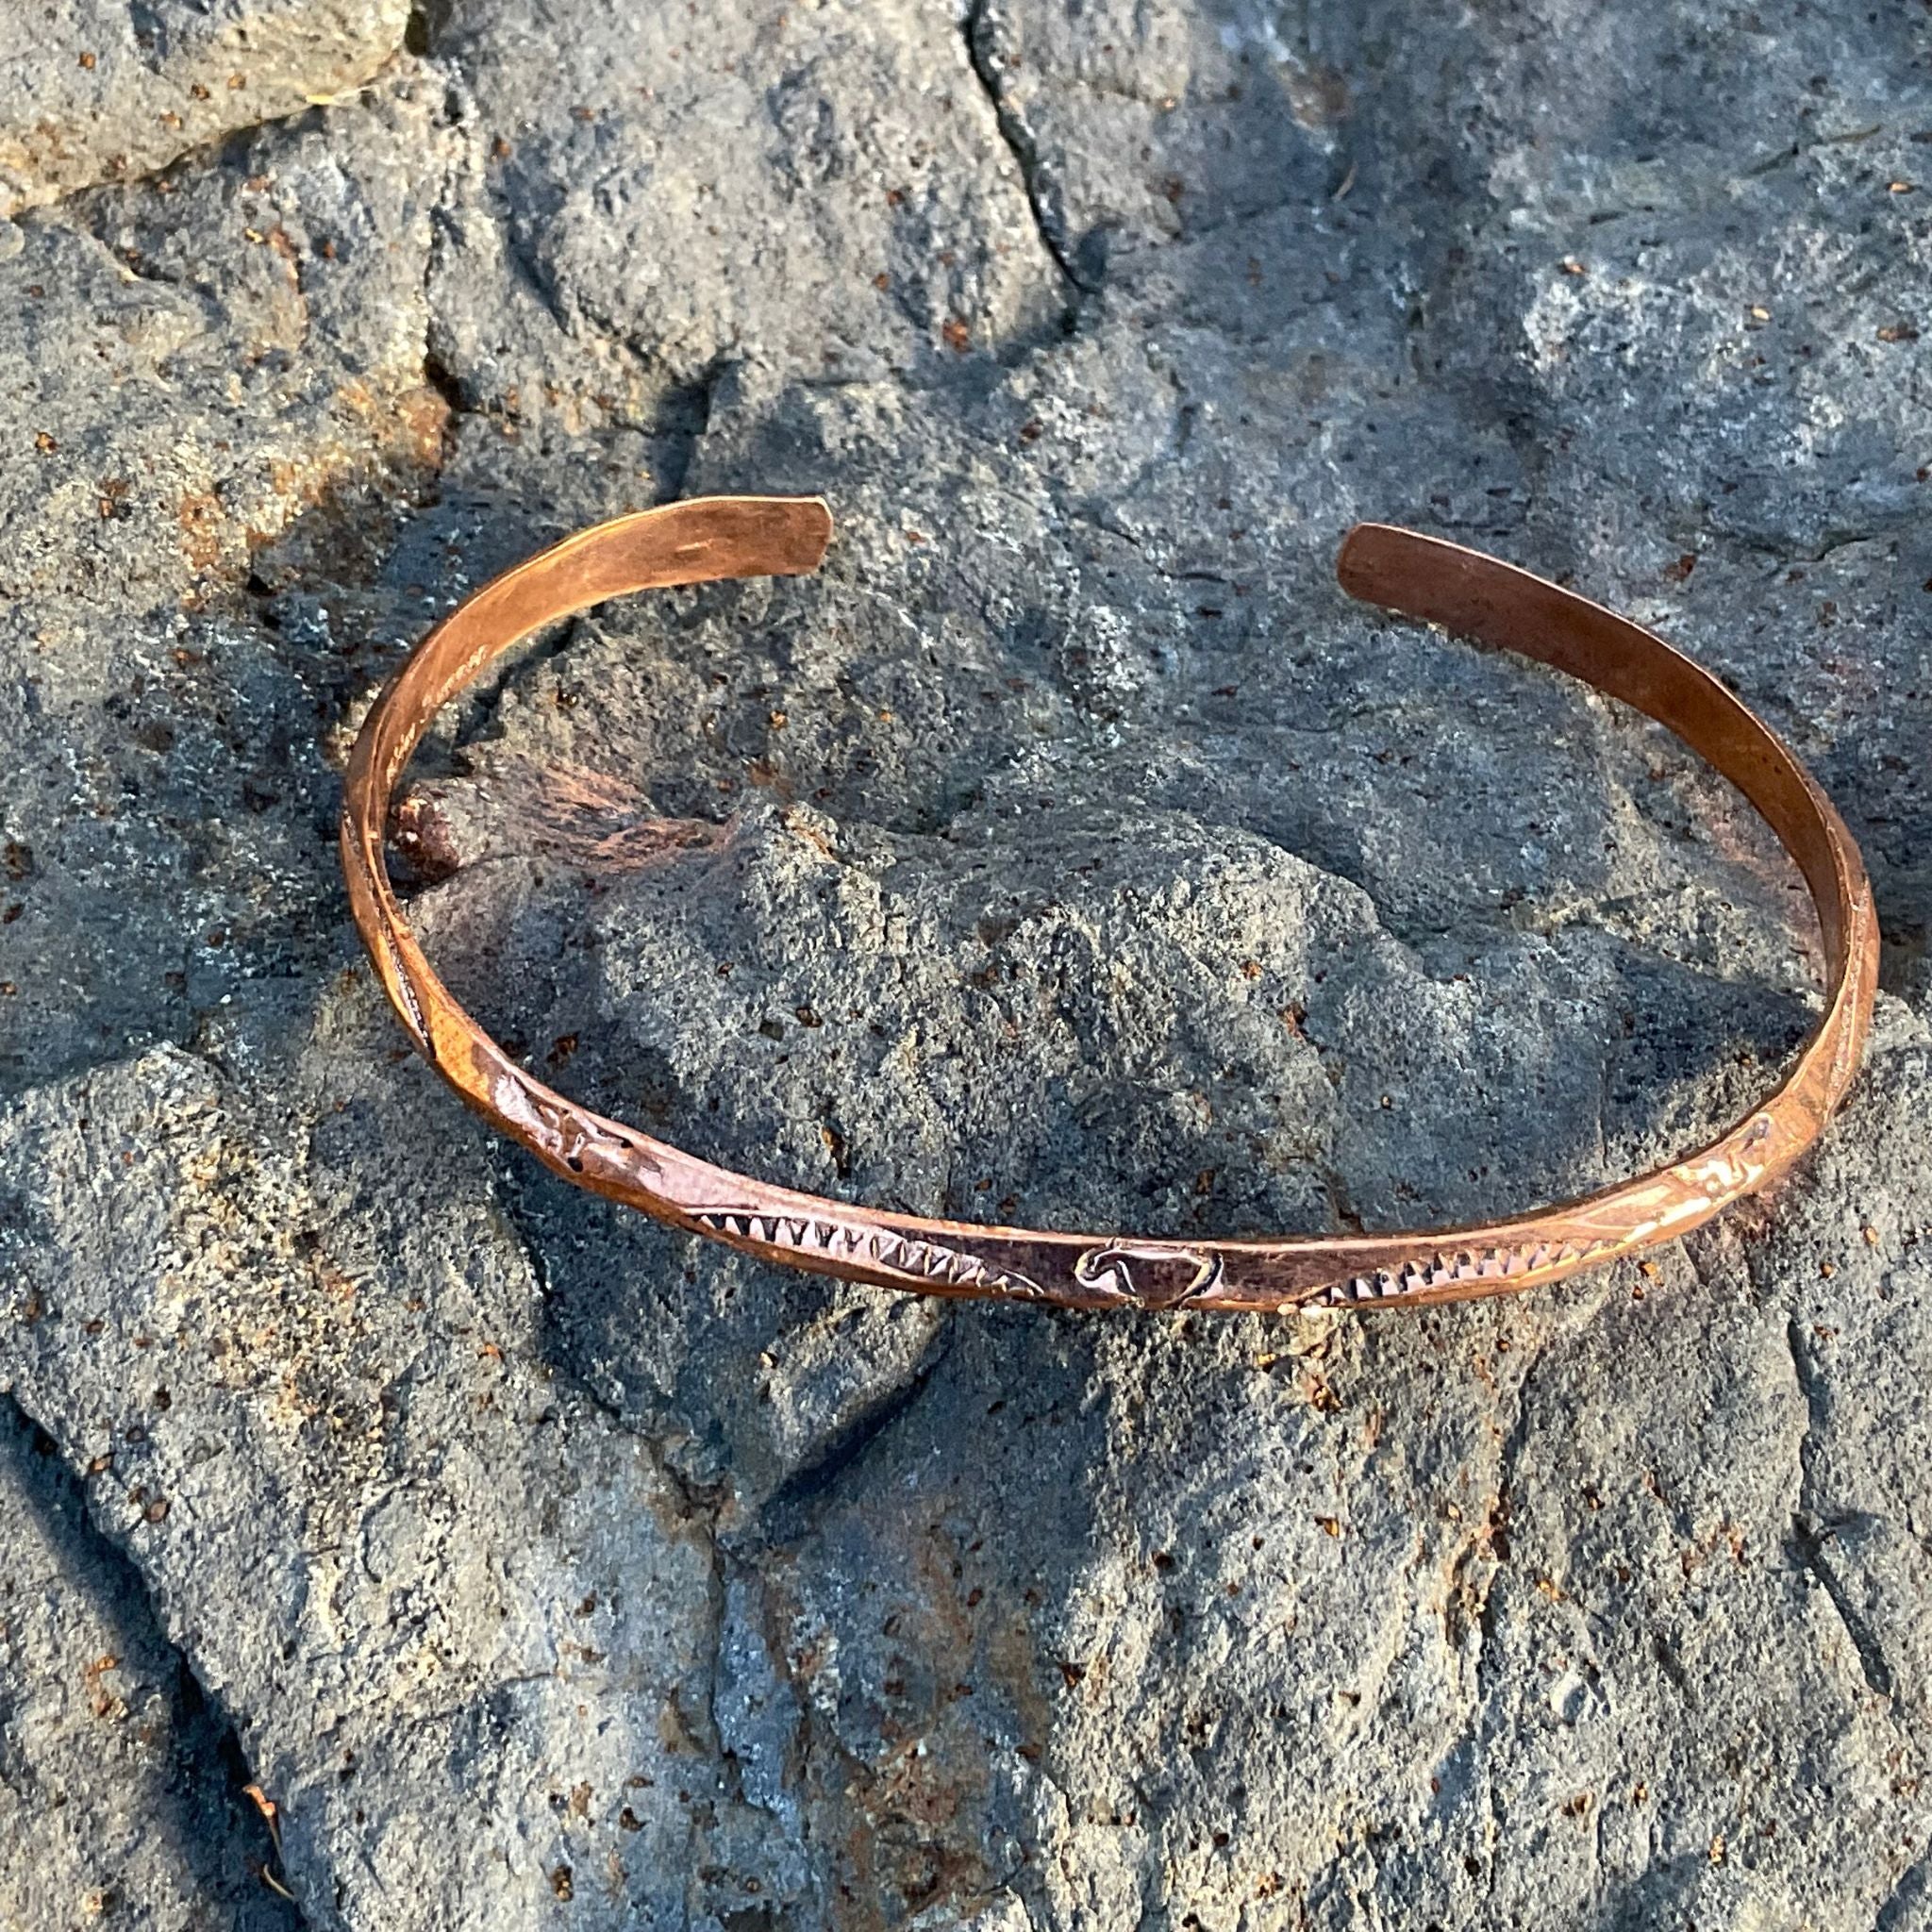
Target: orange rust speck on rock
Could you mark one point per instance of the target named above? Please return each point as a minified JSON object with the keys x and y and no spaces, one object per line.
{"x":200,"y":516}
{"x":425,"y":419}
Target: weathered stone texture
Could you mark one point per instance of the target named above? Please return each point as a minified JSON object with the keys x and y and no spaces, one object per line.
{"x":98,"y":90}
{"x":1068,"y":849}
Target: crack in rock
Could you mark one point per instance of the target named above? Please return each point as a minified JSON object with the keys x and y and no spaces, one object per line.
{"x":122,"y":1784}
{"x":1810,"y":1539}
{"x":981,"y":53}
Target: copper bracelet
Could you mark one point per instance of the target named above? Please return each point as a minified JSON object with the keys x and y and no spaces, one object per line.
{"x":1419,"y":577}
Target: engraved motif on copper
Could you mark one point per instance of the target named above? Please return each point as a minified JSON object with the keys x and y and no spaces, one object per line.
{"x":1147,"y":1273}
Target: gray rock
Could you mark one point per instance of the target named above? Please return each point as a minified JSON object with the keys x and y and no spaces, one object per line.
{"x":817,"y":192}
{"x":474,"y":1644}
{"x":1068,"y":849}
{"x":119,"y":1798}
{"x":188,"y":374}
{"x":93,"y":92}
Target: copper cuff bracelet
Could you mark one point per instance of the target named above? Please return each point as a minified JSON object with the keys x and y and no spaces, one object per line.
{"x":1419,"y":577}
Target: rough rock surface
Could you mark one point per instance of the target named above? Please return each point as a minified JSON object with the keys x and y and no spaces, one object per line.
{"x":1068,"y":849}
{"x":119,"y":1793}
{"x":91,"y":91}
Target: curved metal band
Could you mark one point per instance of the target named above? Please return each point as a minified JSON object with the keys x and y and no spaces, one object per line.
{"x":1419,"y":577}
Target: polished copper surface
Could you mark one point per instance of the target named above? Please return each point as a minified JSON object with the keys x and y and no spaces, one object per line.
{"x":1416,"y":575}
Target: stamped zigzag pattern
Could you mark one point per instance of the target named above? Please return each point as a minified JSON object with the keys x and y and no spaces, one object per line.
{"x":929,"y":1264}
{"x":1462,"y":1269}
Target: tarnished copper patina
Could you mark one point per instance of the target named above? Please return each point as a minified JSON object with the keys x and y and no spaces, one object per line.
{"x":1419,"y":577}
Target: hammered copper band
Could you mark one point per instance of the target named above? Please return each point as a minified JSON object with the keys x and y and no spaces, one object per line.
{"x":1419,"y":577}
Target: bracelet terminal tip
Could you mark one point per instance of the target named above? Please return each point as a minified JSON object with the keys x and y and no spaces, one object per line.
{"x":1390,"y":567}
{"x":802,"y":534}
{"x":1356,"y":559}
{"x":707,"y":540}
